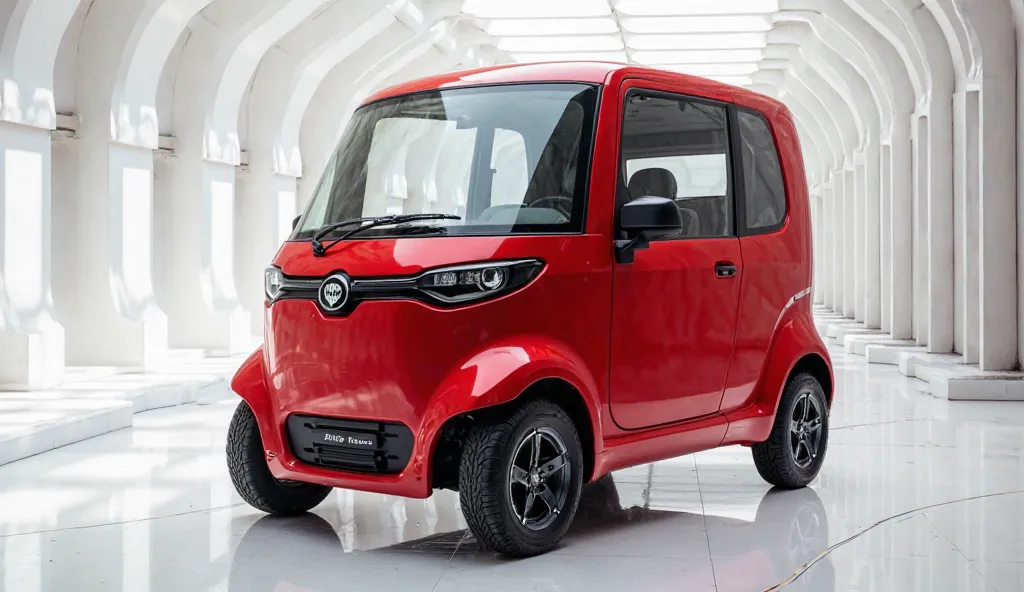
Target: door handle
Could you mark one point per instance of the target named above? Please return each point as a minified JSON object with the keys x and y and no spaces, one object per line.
{"x":724,"y":269}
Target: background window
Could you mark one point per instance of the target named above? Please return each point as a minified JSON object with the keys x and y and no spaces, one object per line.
{"x":677,"y":148}
{"x":765,"y":190}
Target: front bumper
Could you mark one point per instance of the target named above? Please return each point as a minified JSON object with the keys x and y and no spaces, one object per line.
{"x":386,"y":457}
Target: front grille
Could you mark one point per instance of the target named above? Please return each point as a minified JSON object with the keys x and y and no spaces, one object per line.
{"x":350,"y":445}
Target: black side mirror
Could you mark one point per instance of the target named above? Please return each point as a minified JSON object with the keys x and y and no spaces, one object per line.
{"x":643,"y":219}
{"x":295,"y":222}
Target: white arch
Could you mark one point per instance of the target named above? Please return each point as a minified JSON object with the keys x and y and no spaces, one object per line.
{"x":221,"y":141}
{"x":354,"y":31}
{"x":964,"y":48}
{"x":881,"y":17}
{"x":825,"y":65}
{"x":135,"y":103}
{"x":324,"y":112}
{"x":30,"y":41}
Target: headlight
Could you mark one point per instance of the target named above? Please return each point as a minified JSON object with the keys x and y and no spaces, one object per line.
{"x":273,"y":281}
{"x":465,"y":283}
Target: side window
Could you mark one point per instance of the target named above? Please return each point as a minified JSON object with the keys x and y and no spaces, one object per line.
{"x":765,"y":191}
{"x":677,"y":147}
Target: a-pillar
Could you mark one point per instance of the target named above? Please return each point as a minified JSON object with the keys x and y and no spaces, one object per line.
{"x":106,"y":299}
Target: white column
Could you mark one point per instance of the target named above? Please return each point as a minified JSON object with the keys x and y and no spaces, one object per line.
{"x":902,"y":232}
{"x":848,"y":176}
{"x":195,"y":203}
{"x":872,"y":272}
{"x":920,"y":234}
{"x":940,"y":227}
{"x":969,"y":286}
{"x":859,"y":234}
{"x":998,"y":275}
{"x":31,"y":340}
{"x":828,"y":238}
{"x":838,"y":238}
{"x":885,"y":253}
{"x":818,"y":280}
{"x":108,"y":306}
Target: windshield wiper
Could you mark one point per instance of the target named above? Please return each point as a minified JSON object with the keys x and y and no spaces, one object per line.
{"x":319,"y":249}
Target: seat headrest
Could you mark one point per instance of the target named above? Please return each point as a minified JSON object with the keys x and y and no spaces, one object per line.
{"x":653,"y":182}
{"x":691,"y":222}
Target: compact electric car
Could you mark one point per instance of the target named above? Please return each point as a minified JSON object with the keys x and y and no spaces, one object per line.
{"x":512,"y":281}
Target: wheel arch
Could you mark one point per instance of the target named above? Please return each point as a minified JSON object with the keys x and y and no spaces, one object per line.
{"x":812,"y":363}
{"x":556,"y":390}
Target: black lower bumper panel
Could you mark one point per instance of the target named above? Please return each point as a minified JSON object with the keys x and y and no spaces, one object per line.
{"x":350,"y":445}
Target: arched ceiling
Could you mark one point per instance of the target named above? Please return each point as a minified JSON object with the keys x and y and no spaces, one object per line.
{"x":720,"y":40}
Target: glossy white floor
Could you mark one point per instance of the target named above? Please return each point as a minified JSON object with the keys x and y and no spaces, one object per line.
{"x":916,"y":494}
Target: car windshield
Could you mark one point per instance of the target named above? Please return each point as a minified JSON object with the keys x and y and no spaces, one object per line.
{"x":507,"y":159}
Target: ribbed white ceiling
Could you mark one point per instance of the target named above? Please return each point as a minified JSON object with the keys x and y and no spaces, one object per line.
{"x":719,"y":39}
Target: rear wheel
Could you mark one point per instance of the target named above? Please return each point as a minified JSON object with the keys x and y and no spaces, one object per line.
{"x":251,"y":476}
{"x":520,"y":479}
{"x":795,"y":450}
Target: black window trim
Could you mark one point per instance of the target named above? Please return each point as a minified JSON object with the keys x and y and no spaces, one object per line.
{"x":741,"y":196}
{"x":734,"y":172}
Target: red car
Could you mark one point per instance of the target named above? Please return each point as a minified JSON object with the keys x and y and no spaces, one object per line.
{"x":512,"y":281}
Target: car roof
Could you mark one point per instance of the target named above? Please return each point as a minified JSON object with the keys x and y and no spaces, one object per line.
{"x":588,"y":72}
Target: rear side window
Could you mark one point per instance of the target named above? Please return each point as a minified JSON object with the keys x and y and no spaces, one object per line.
{"x":764,"y":191}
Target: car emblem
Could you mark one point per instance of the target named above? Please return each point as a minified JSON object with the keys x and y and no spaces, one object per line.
{"x":334,"y":292}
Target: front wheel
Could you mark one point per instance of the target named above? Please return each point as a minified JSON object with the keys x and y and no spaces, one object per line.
{"x":251,"y":476}
{"x":795,"y":449}
{"x":520,"y":479}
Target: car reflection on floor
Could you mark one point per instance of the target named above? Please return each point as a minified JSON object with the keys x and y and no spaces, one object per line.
{"x":789,"y":530}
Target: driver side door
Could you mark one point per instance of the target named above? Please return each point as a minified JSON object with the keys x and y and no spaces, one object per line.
{"x":674,"y":306}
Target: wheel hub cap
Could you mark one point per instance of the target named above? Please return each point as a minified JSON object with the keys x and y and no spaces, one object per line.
{"x":806,"y":429}
{"x":539,"y":478}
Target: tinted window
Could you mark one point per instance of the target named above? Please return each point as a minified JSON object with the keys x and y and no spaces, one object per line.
{"x":765,"y":191}
{"x":676,"y":147}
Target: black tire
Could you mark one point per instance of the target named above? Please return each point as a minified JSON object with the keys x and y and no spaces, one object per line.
{"x":775,"y":458}
{"x":252,"y":478}
{"x":486,"y":484}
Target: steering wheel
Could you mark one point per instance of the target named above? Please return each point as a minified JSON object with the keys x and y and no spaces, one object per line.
{"x":559,"y":202}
